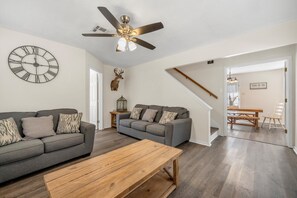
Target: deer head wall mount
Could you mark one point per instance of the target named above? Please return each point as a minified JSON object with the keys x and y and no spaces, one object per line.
{"x":114,"y":85}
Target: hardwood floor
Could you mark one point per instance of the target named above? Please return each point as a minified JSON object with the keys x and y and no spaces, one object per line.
{"x":231,"y":167}
{"x":273,"y":136}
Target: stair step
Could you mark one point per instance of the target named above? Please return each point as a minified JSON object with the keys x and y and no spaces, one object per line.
{"x":213,"y":130}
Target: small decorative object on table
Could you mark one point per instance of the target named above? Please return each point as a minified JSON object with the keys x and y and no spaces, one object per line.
{"x":122,"y":104}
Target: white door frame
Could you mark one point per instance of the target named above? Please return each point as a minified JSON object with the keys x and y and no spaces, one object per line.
{"x":289,"y":121}
{"x":99,"y":105}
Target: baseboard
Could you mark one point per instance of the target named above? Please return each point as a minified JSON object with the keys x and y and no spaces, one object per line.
{"x":295,"y":149}
{"x":201,"y":143}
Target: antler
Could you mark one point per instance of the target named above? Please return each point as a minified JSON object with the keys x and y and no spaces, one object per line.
{"x":118,"y":71}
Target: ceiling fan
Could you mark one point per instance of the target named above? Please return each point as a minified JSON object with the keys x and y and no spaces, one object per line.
{"x":126,"y":33}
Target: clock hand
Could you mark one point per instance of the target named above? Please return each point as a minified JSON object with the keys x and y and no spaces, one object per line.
{"x":28,"y":63}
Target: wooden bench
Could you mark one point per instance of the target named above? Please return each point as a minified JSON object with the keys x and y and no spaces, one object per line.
{"x":252,"y":119}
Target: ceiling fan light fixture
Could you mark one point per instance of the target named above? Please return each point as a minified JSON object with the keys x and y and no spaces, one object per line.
{"x":132,"y":46}
{"x":122,"y":44}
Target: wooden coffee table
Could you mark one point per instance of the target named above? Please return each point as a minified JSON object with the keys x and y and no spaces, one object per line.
{"x":136,"y":170}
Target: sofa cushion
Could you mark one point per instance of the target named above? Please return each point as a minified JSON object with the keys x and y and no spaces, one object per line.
{"x":62,"y":141}
{"x":56,"y":114}
{"x":38,"y":127}
{"x":159,"y":113}
{"x":149,"y":115}
{"x":156,"y":129}
{"x":144,"y":107}
{"x":181,"y":112}
{"x":69,"y":123}
{"x":140,"y":125}
{"x":126,"y":122}
{"x":9,"y":132}
{"x":20,"y":151}
{"x":17,"y":116}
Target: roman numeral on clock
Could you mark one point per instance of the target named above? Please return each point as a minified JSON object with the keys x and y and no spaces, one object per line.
{"x":17,"y":69}
{"x":35,"y":50}
{"x":53,"y":67}
{"x":26,"y":76}
{"x":51,"y":73}
{"x":37,"y":79}
{"x":52,"y":59}
{"x":25,"y":49}
{"x":46,"y":78}
{"x":14,"y":61}
{"x":14,"y":53}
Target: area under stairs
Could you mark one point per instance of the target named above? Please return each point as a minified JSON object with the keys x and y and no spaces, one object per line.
{"x":214,"y":133}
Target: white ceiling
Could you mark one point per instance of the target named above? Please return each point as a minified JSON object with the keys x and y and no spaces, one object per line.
{"x":259,"y":67}
{"x":187,"y":24}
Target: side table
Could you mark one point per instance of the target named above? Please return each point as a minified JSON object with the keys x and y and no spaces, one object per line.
{"x":113,"y":117}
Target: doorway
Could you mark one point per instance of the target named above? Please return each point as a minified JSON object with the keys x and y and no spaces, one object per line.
{"x":96,"y":101}
{"x":253,"y":93}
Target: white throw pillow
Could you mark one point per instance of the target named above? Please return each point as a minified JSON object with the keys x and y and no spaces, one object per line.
{"x":38,"y":127}
{"x":149,"y":115}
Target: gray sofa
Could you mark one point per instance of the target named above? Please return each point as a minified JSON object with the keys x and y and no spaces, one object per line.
{"x":27,"y":156}
{"x":172,"y":134}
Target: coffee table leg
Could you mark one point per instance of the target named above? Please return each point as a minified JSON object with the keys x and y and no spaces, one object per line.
{"x":175,"y":172}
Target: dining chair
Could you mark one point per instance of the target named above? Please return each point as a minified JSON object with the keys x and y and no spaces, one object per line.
{"x":276,"y":116}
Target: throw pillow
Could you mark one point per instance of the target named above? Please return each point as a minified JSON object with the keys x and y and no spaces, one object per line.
{"x":149,"y":115}
{"x":69,"y":123}
{"x":9,"y":132}
{"x":135,"y":114}
{"x":167,"y":117}
{"x":38,"y":127}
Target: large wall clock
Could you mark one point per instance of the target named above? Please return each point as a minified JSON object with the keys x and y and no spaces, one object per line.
{"x":33,"y":64}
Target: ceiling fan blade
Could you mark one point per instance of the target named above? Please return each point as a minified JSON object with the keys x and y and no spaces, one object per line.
{"x":143,"y":43}
{"x":148,"y":28}
{"x":110,"y":17}
{"x":99,"y":35}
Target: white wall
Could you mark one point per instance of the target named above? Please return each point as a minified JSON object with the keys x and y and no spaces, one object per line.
{"x":147,"y":83}
{"x":265,"y":99}
{"x":110,"y":97}
{"x":70,"y":89}
{"x":66,"y":90}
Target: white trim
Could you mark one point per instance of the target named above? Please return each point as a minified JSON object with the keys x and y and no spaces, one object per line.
{"x":214,"y":136}
{"x":202,"y":143}
{"x":295,"y":149}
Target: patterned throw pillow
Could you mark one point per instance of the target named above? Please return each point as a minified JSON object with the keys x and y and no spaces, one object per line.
{"x":135,"y":114}
{"x":69,"y":123}
{"x":167,"y":117}
{"x":9,"y":132}
{"x":149,"y":115}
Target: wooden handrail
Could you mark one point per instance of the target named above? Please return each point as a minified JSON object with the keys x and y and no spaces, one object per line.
{"x":196,"y":83}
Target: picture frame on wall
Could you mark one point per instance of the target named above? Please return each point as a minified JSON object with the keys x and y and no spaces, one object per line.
{"x":258,"y":85}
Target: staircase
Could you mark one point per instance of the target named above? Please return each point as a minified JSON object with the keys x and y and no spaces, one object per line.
{"x":214,"y":133}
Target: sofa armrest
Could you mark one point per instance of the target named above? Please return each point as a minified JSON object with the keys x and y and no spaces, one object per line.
{"x":122,"y":116}
{"x":88,"y":130}
{"x":178,"y":131}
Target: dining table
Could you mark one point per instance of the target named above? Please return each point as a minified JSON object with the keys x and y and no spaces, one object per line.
{"x":249,"y":114}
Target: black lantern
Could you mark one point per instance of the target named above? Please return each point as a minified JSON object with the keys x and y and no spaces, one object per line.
{"x":121,"y":104}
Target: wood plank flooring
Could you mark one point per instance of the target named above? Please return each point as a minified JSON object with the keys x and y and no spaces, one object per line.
{"x":231,"y":167}
{"x":273,"y":136}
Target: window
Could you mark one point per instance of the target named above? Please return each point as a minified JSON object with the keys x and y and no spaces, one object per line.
{"x":233,"y":93}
